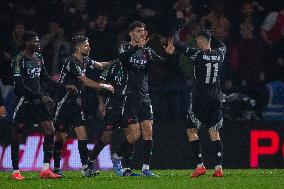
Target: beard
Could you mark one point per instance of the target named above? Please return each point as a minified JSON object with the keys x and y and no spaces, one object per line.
{"x":85,"y":54}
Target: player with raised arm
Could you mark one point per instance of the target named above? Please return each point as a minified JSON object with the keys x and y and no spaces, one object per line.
{"x":136,"y":58}
{"x":205,"y":101}
{"x":69,"y":109}
{"x":32,"y":107}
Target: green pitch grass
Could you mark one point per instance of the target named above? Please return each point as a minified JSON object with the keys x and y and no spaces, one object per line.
{"x":172,"y":179}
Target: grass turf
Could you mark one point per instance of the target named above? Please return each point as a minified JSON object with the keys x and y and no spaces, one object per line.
{"x":172,"y":179}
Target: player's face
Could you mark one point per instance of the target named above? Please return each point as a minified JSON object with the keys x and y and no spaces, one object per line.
{"x":84,"y":48}
{"x":137,"y":34}
{"x":34,"y":44}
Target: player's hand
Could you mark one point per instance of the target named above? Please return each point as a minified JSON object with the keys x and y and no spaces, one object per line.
{"x":170,"y":48}
{"x":71,"y":89}
{"x":48,"y":101}
{"x":107,"y":87}
{"x":2,"y":111}
{"x":102,"y":109}
{"x":144,"y":39}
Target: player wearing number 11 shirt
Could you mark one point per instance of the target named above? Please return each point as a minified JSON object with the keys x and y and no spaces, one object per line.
{"x":205,"y":100}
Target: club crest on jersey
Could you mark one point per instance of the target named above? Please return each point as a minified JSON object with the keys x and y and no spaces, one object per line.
{"x":33,"y":72}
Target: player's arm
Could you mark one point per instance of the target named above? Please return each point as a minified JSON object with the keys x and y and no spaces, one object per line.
{"x":124,"y":53}
{"x":187,"y":50}
{"x":219,"y":45}
{"x":154,"y":57}
{"x":104,"y":65}
{"x":94,"y":84}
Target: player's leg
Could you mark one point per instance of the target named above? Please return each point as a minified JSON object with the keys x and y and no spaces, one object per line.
{"x":19,"y":125}
{"x":126,"y":146}
{"x":61,"y":124}
{"x":60,"y":138}
{"x":106,"y":137}
{"x":87,"y":167}
{"x":48,"y":146}
{"x":128,"y":156}
{"x":147,"y":133}
{"x":16,"y":138}
{"x":146,"y":122}
{"x":196,"y":150}
{"x":217,"y":147}
{"x":193,"y":124}
{"x":130,"y":118}
{"x":40,"y":114}
{"x":100,"y":144}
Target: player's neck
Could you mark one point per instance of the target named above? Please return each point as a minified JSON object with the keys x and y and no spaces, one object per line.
{"x":28,"y":53}
{"x":78,"y":56}
{"x":206,"y":48}
{"x":133,"y":43}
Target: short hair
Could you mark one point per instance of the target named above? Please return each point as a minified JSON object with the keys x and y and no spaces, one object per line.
{"x":28,"y":36}
{"x":135,"y":24}
{"x":206,"y":34}
{"x":77,"y":39}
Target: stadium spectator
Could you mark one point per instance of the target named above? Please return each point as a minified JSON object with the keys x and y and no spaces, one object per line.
{"x":272,"y":29}
{"x":54,"y":47}
{"x":250,"y":55}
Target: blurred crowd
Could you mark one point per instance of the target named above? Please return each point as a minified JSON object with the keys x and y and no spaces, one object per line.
{"x":253,"y":32}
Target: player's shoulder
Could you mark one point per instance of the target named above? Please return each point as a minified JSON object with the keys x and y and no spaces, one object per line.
{"x":38,"y":55}
{"x":17,"y":59}
{"x":123,"y":45}
{"x":69,"y":60}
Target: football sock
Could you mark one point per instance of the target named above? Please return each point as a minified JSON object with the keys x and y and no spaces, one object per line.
{"x":147,"y":148}
{"x":196,"y":152}
{"x":15,"y":146}
{"x":99,"y":146}
{"x":218,"y":152}
{"x":83,"y":151}
{"x":58,"y":145}
{"x":48,"y":148}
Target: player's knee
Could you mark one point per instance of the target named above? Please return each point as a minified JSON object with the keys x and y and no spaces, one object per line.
{"x":133,"y":137}
{"x":214,"y":135}
{"x":147,"y":135}
{"x":192,"y":134}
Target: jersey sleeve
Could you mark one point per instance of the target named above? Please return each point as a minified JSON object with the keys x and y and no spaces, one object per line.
{"x":188,"y":51}
{"x":16,"y":67}
{"x":74,"y":68}
{"x":105,"y":74}
{"x":191,"y":52}
{"x":124,"y":51}
{"x":154,"y":57}
{"x":109,"y":71}
{"x":220,"y":46}
{"x":91,"y":64}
